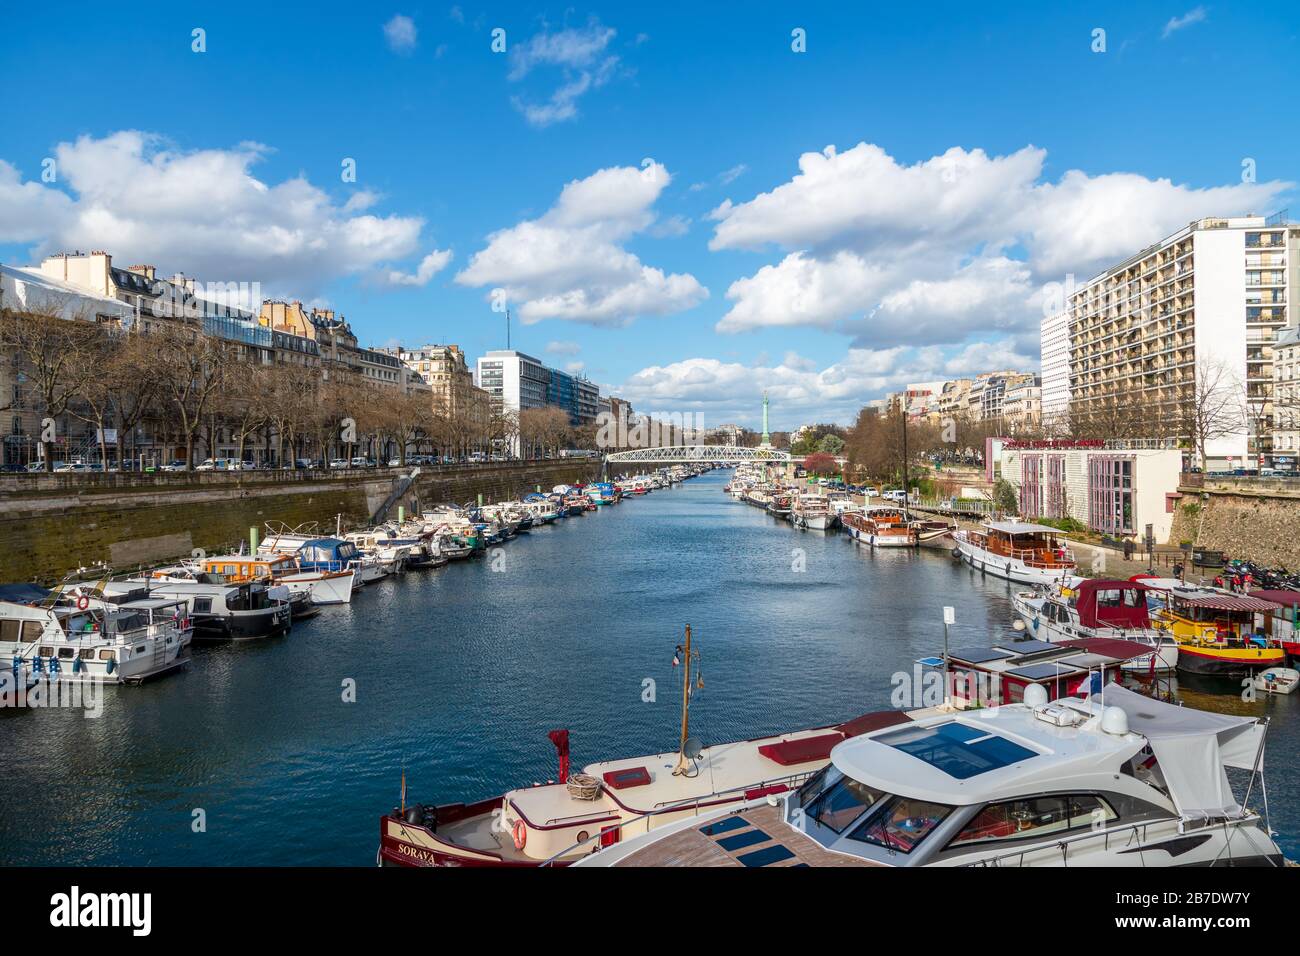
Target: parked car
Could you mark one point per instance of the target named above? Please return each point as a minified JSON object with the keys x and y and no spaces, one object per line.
{"x":339,"y":463}
{"x":177,"y":465}
{"x":361,"y":462}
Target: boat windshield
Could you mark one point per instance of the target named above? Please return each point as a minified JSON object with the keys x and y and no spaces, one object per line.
{"x":901,"y":824}
{"x":843,"y":803}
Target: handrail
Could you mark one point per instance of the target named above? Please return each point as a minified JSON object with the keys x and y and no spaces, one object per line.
{"x":1246,"y":816}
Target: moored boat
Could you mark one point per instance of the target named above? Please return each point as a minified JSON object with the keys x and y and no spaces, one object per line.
{"x":1216,"y":632}
{"x":881,"y":526}
{"x":1116,"y":780}
{"x":1018,"y":551}
{"x":1084,"y":607}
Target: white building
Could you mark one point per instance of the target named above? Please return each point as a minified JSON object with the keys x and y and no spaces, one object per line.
{"x":1116,"y":488}
{"x":1055,"y":346}
{"x":518,"y":381}
{"x":1213,"y":295}
{"x":1286,"y":400}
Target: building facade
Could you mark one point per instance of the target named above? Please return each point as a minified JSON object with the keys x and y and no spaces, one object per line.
{"x":1204,"y":305}
{"x":1115,"y":488}
{"x":518,"y":382}
{"x":1286,"y":400}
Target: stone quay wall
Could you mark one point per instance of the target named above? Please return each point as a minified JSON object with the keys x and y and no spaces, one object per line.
{"x":52,"y":524}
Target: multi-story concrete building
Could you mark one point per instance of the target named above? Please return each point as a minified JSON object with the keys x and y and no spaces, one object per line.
{"x":1286,"y":400}
{"x":1054,"y":342}
{"x":1203,"y":305}
{"x":519,"y":382}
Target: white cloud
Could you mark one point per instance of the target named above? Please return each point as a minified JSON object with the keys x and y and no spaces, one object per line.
{"x":400,"y":34}
{"x":429,"y":266}
{"x":580,"y":53}
{"x":570,"y":263}
{"x":946,"y":248}
{"x":200,"y":211}
{"x":732,"y":174}
{"x":563,"y":348}
{"x":1195,"y":15}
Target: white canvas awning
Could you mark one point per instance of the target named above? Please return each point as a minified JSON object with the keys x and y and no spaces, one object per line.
{"x":1193,"y":748}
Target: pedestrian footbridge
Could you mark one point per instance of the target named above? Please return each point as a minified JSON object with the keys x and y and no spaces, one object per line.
{"x":683,"y":454}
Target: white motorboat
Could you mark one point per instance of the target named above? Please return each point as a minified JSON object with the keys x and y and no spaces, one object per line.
{"x":79,"y":635}
{"x":811,"y":512}
{"x":219,"y":611}
{"x":1114,"y":780}
{"x":1018,"y":551}
{"x":1276,"y":680}
{"x":1086,"y":607}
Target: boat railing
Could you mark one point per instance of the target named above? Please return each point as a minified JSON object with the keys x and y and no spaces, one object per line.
{"x":668,"y":807}
{"x":1132,"y":829}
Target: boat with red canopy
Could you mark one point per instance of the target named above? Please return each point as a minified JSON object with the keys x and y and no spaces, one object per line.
{"x":1087,"y":607}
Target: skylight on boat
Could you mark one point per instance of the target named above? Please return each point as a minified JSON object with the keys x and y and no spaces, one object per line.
{"x":958,"y":750}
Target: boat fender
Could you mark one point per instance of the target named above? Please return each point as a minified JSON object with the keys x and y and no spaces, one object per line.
{"x":54,"y":668}
{"x":76,"y":666}
{"x":520,"y":834}
{"x":83,"y":602}
{"x":18,"y":664}
{"x":38,"y":665}
{"x":110,"y":665}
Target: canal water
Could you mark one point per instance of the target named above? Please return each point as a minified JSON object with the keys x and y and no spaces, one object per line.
{"x":253,"y":756}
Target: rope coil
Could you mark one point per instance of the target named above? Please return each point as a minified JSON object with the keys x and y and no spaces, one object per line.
{"x":583,"y":786}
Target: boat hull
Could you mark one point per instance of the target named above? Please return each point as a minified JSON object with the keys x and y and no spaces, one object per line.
{"x":1010,"y":569}
{"x":1228,"y":662}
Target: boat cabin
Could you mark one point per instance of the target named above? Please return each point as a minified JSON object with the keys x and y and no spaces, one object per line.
{"x":1035,"y":545}
{"x":990,"y":676}
{"x":1209,"y":617}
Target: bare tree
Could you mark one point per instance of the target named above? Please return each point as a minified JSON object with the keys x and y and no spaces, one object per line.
{"x":47,"y":344}
{"x":190,"y":370}
{"x":1214,"y":408}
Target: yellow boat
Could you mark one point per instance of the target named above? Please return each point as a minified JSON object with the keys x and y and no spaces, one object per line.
{"x":1216,"y":632}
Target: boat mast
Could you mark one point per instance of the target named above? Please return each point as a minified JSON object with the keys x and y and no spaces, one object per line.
{"x":682,"y":767}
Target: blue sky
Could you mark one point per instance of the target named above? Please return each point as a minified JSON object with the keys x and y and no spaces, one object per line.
{"x":1000,"y":155}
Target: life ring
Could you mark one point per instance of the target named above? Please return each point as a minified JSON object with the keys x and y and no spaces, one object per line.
{"x":83,"y":602}
{"x":520,"y":833}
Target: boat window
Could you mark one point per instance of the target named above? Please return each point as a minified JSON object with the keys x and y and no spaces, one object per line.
{"x":901,"y":824}
{"x":202,"y":605}
{"x":1029,"y":819}
{"x":32,"y":630}
{"x":812,"y":787}
{"x":843,"y":803}
{"x":106,"y":654}
{"x":958,"y":750}
{"x":9,"y":630}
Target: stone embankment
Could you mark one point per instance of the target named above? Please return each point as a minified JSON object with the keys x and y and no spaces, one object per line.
{"x":50,"y":524}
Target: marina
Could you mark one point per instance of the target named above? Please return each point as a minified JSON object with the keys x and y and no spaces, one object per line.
{"x":440,"y":686}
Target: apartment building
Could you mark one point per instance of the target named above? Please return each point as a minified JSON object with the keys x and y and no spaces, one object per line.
{"x":1054,"y":343}
{"x":28,"y":290}
{"x":1021,"y":408}
{"x":1211,"y":297}
{"x":518,"y":381}
{"x":337,"y":345}
{"x":1286,"y":400}
{"x":444,"y":371}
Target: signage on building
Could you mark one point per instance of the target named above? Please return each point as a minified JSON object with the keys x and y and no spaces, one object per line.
{"x":1062,"y":444}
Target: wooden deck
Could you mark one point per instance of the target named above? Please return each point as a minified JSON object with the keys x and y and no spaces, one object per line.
{"x":731,"y":846}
